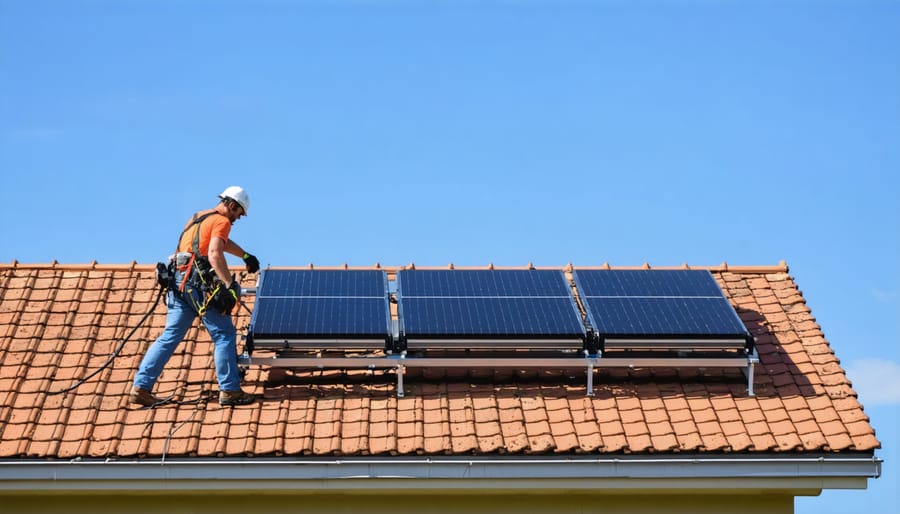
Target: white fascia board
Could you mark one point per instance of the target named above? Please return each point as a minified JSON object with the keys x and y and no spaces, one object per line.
{"x":635,"y":474}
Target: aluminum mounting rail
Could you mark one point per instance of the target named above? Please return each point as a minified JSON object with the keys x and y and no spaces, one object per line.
{"x":588,"y":361}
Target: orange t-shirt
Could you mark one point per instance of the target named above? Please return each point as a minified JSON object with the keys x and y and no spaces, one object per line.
{"x":216,"y":225}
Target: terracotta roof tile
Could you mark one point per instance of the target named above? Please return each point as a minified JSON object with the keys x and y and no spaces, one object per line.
{"x":664,"y":442}
{"x":739,"y":441}
{"x":839,"y":440}
{"x":59,"y":323}
{"x":614,"y":439}
{"x":638,"y":442}
{"x":662,"y":428}
{"x":589,"y":437}
{"x":832,"y":428}
{"x":582,"y":409}
{"x":758,"y":428}
{"x":632,"y":416}
{"x":409,"y":438}
{"x":611,"y":427}
{"x":864,"y":442}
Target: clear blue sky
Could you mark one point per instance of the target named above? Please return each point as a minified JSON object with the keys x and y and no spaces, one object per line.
{"x":476,"y":132}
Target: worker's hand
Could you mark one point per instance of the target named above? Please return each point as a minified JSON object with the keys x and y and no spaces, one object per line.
{"x":225,"y":298}
{"x":252,"y":263}
{"x":235,"y":290}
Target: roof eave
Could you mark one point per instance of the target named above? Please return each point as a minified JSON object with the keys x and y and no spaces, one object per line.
{"x":798,"y":475}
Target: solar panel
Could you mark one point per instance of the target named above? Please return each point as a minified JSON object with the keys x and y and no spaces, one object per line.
{"x":660,"y":310}
{"x":321,"y":308}
{"x":487,"y":309}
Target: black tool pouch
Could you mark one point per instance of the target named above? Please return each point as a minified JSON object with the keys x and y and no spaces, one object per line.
{"x":165,"y":275}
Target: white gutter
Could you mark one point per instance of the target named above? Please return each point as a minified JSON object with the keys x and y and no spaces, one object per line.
{"x":419,"y":474}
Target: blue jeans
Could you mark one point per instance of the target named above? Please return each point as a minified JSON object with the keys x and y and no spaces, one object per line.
{"x":180,"y":317}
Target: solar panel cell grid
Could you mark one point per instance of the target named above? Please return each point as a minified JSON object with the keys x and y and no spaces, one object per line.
{"x":657,"y":283}
{"x":487,"y":303}
{"x":482,"y":283}
{"x":663,"y":316}
{"x":310,"y":317}
{"x":344,"y":283}
{"x":490,"y":317}
{"x":667,"y":304}
{"x":309,"y":304}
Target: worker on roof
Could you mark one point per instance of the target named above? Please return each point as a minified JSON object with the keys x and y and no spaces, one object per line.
{"x":203,"y":288}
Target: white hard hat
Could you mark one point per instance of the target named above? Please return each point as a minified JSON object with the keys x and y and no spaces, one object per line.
{"x":237,"y":194}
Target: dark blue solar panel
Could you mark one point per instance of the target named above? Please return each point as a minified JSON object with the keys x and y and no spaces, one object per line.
{"x":646,"y":283}
{"x":487,"y":303}
{"x":482,"y":283}
{"x":345,"y":283}
{"x":311,"y":317}
{"x":299,"y":304}
{"x":502,"y":317}
{"x":666,"y":303}
{"x":664,"y":316}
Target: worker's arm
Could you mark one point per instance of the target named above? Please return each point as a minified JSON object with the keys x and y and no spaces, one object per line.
{"x":234,"y":249}
{"x":217,"y":249}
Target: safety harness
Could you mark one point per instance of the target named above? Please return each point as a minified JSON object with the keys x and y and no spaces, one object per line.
{"x":195,"y":248}
{"x":205,"y":276}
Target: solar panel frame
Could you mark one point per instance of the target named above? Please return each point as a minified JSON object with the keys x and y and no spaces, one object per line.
{"x":330,"y":308}
{"x":487,"y":308}
{"x":660,"y":309}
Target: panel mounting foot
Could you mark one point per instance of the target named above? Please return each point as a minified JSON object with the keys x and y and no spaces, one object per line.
{"x":400,"y":370}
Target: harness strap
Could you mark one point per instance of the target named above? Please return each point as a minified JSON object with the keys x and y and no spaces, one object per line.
{"x":187,"y":273}
{"x":195,"y":245}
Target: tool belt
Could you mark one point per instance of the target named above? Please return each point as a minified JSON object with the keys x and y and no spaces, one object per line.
{"x":201,"y":273}
{"x":180,"y":260}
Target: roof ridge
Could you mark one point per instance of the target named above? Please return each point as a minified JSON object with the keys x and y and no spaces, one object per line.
{"x":93,"y":265}
{"x":135,"y":266}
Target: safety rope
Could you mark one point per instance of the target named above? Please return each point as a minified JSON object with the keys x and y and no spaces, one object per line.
{"x":116,"y":352}
{"x":165,"y":401}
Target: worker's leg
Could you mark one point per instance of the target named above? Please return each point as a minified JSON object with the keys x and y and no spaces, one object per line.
{"x":221,"y":330}
{"x":179,"y":319}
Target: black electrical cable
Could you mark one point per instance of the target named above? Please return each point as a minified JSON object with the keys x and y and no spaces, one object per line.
{"x":116,"y":352}
{"x":203,"y":398}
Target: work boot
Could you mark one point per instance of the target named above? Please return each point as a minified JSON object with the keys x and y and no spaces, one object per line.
{"x":238,"y":397}
{"x":143,"y":397}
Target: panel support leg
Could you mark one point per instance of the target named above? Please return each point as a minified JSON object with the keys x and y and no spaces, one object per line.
{"x":590,"y":378}
{"x":400,"y":371}
{"x":591,"y":360}
{"x":751,"y":366}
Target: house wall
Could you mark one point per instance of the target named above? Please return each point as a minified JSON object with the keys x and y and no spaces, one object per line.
{"x":224,"y":503}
